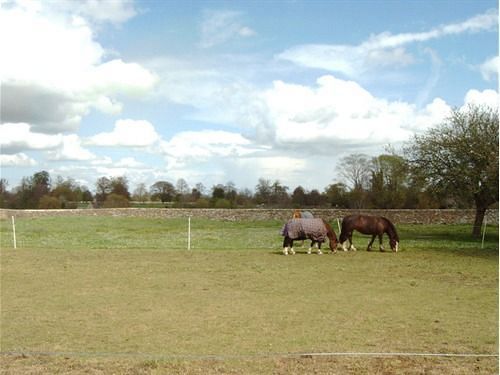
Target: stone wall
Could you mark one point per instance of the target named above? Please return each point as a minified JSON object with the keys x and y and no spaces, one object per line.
{"x":397,"y":216}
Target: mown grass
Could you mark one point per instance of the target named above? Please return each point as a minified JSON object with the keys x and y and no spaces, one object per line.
{"x":123,"y":295}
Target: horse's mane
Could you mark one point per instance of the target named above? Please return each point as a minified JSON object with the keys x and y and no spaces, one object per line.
{"x":392,"y":229}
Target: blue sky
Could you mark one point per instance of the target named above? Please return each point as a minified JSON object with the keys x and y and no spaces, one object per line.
{"x":232,"y":91}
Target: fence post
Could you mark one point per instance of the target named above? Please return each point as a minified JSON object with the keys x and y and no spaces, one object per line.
{"x":189,"y":233}
{"x":14,"y":232}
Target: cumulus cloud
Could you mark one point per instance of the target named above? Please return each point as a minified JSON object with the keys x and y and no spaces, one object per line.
{"x":220,"y":26}
{"x":71,"y":149}
{"x":200,"y":145}
{"x":489,"y":69}
{"x":53,"y":71}
{"x":17,"y":160}
{"x":17,"y":137}
{"x":487,"y":97}
{"x":48,"y":110}
{"x":384,"y":49}
{"x":337,"y":111}
{"x":127,"y":133}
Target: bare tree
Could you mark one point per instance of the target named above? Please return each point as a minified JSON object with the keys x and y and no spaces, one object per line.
{"x":355,"y":168}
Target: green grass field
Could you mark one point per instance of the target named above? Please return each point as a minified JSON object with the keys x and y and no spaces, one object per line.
{"x":123,"y":295}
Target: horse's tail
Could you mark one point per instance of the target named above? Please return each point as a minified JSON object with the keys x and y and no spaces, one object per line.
{"x":330,"y":233}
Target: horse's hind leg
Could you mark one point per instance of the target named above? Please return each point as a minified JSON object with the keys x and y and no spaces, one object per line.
{"x":348,"y":237}
{"x":351,"y":247}
{"x":288,"y":246}
{"x":369,"y":248}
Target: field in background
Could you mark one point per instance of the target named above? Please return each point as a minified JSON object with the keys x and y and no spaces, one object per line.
{"x":106,"y":294}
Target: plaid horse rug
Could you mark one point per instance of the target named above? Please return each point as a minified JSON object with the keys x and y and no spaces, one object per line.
{"x":300,"y":229}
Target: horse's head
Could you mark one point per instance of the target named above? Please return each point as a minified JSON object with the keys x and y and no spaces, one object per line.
{"x":331,"y":236}
{"x":394,"y":244}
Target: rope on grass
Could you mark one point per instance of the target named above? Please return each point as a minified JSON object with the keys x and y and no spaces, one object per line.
{"x":245,"y":356}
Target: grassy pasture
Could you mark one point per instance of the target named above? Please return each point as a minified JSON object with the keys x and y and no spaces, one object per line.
{"x":122,"y":295}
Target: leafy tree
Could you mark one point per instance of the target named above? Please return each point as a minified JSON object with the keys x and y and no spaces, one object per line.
{"x":314,"y":198}
{"x":103,"y":189}
{"x":336,"y":195}
{"x":263,"y":191}
{"x":4,"y":194}
{"x":163,"y":191}
{"x":218,"y":192}
{"x":119,"y":186}
{"x":68,"y":192}
{"x":460,"y":157}
{"x":299,"y":197}
{"x":389,"y":181}
{"x":279,"y":193}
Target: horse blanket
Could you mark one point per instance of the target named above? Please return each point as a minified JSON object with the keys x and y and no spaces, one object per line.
{"x":300,"y":229}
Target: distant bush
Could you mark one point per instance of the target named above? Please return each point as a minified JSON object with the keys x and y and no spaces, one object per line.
{"x":47,"y":202}
{"x":222,"y":203}
{"x":116,"y":201}
{"x":202,"y":203}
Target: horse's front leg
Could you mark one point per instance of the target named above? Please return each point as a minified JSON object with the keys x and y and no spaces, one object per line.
{"x":318,"y":245}
{"x":369,"y":248}
{"x":380,"y":241}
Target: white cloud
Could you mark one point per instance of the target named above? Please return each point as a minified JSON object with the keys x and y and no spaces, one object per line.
{"x":337,"y":111}
{"x":220,"y":26}
{"x":53,"y":57}
{"x":486,"y":97}
{"x":101,"y":11}
{"x":71,"y":149}
{"x":18,"y":137}
{"x":129,"y":162}
{"x":489,"y":69}
{"x":17,"y":160}
{"x":201,"y":145}
{"x":383,"y":49}
{"x":127,"y":133}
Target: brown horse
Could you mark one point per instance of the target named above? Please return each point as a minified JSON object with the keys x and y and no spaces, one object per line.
{"x":317,"y":230}
{"x":374,"y":225}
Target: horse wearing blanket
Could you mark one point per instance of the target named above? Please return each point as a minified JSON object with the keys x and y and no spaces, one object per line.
{"x":317,"y":230}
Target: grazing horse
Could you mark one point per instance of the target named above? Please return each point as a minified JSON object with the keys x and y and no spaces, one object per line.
{"x":374,"y":225}
{"x":317,"y":230}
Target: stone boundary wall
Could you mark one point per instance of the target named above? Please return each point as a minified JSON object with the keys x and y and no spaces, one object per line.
{"x":397,"y":216}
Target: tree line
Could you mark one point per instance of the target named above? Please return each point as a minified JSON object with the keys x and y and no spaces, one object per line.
{"x":454,"y":165}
